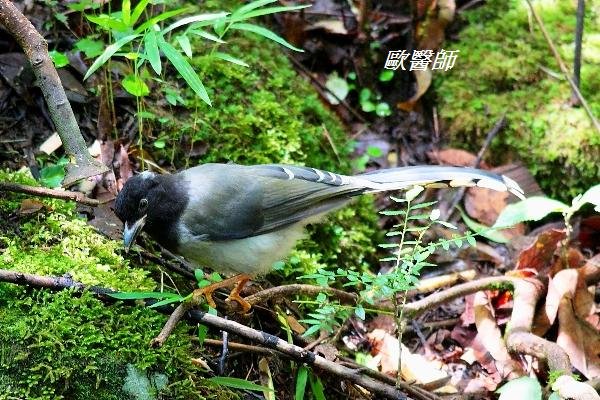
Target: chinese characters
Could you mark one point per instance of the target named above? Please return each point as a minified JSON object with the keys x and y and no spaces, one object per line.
{"x":421,"y":60}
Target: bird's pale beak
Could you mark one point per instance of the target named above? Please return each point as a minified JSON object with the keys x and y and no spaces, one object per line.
{"x":131,"y":232}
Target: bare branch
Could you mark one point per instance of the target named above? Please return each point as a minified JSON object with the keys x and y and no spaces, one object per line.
{"x":81,"y":165}
{"x":43,"y":192}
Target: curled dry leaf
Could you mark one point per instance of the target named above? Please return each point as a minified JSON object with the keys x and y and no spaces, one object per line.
{"x":569,"y":299}
{"x":489,"y":333}
{"x":539,"y":255}
{"x":30,"y":206}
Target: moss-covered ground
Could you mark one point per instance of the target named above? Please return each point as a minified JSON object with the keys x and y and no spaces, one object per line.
{"x":506,"y":66}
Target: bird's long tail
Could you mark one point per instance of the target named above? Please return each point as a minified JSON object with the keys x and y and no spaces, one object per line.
{"x":439,"y":177}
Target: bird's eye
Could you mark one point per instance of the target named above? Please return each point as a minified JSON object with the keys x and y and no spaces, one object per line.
{"x":143,"y":204}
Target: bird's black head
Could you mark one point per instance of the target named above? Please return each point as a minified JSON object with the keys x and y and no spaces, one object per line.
{"x":151,"y":202}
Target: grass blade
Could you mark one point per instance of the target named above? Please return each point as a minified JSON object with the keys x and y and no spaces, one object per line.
{"x":259,"y":30}
{"x":110,"y":50}
{"x":185,"y":69}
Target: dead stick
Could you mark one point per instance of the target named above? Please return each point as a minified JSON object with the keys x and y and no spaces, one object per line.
{"x":53,"y":193}
{"x":295,"y":289}
{"x":81,"y":164}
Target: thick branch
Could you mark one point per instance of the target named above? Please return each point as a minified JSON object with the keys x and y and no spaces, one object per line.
{"x":43,"y":192}
{"x":82,"y":165}
{"x":416,"y":308}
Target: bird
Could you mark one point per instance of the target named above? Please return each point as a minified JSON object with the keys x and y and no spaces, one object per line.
{"x":241,"y":219}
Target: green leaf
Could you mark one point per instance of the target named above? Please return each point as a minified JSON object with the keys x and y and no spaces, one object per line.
{"x":90,"y":47}
{"x":237,"y":383}
{"x":317,"y":387}
{"x":392,"y":212}
{"x":108,"y":53}
{"x":160,"y":143}
{"x":230,"y":58}
{"x":251,"y":6}
{"x":412,"y":193}
{"x":151,"y":49}
{"x":59,"y":59}
{"x":167,"y":301}
{"x":126,"y":12}
{"x":202,"y":332}
{"x":51,"y":176}
{"x":485,"y":231}
{"x":383,"y":109}
{"x":143,"y":295}
{"x":301,"y":379}
{"x":471,"y":240}
{"x":360,"y":312}
{"x":185,"y":70}
{"x":159,"y":18}
{"x":338,"y":86}
{"x":206,"y":35}
{"x":312,"y":330}
{"x":364,"y":95}
{"x":137,"y":11}
{"x":194,"y":19}
{"x":592,"y":196}
{"x":524,"y":387}
{"x":259,"y":30}
{"x":107,"y":22}
{"x":184,"y":43}
{"x":367,"y":106}
{"x":266,"y":11}
{"x":374,"y":151}
{"x":422,"y":205}
{"x":135,"y":85}
{"x":531,"y":209}
{"x":386,"y":75}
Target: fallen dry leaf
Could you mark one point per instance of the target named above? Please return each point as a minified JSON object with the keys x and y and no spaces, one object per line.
{"x":456,"y":157}
{"x":415,"y":367}
{"x":489,"y":333}
{"x":30,"y":206}
{"x":539,"y":254}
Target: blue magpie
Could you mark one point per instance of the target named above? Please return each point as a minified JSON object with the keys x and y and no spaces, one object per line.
{"x":240,"y":219}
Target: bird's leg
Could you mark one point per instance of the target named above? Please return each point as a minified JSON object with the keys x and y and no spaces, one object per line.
{"x":239,"y":280}
{"x":234,"y":295}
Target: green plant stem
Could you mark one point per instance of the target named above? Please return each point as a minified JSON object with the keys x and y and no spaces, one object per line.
{"x":397,"y":309}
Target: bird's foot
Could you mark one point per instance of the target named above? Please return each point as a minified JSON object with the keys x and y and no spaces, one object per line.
{"x":238,"y":280}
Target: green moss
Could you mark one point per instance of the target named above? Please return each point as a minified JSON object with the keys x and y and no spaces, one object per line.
{"x":501,"y":69}
{"x":64,"y":346}
{"x":59,"y":346}
{"x":57,"y":242}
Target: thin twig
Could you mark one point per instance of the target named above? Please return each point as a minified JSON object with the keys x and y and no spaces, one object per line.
{"x":563,"y":67}
{"x":577,"y":55}
{"x":297,"y":289}
{"x":53,"y":193}
{"x":322,"y":87}
{"x":242,"y":347}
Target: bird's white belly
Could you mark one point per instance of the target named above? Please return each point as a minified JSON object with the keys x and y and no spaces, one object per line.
{"x":254,"y":255}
